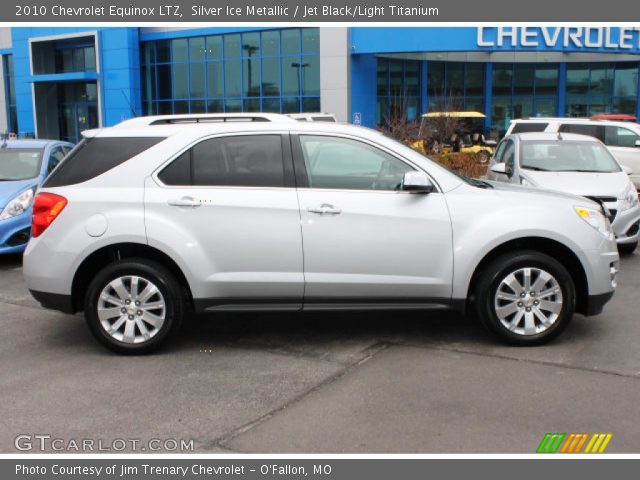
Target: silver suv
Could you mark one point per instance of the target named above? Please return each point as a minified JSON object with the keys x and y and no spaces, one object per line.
{"x":160,"y":216}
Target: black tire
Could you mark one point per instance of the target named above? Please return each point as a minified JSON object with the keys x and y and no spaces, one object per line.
{"x":160,"y":277}
{"x":627,"y":248}
{"x":489,"y":281}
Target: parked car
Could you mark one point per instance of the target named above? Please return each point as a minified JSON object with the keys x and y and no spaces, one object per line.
{"x":24,"y":164}
{"x":622,"y":138}
{"x":151,"y":219}
{"x":574,"y":164}
{"x":313,"y":117}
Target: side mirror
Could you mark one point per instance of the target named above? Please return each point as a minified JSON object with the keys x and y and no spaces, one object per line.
{"x":417,"y":182}
{"x":500,"y":168}
{"x":626,"y":169}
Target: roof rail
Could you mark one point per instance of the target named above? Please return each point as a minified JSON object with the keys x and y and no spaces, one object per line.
{"x":202,"y":118}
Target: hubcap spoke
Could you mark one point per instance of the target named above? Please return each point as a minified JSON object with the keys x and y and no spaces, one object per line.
{"x":541,"y":281}
{"x":151,"y":319}
{"x":129,"y":331}
{"x":529,"y":324}
{"x":148,"y":292}
{"x":109,"y":313}
{"x":117,"y":324}
{"x":548,"y":306}
{"x":120,"y":289}
{"x":507,"y":310}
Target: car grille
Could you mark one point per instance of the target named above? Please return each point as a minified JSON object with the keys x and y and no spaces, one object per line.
{"x":603,"y":201}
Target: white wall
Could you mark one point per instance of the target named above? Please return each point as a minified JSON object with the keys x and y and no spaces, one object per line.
{"x":334,"y":72}
{"x":5,"y":42}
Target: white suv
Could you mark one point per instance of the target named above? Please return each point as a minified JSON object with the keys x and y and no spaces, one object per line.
{"x":621,"y":138}
{"x":159,"y":216}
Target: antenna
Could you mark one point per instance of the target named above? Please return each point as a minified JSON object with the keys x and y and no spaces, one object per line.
{"x":133,"y":110}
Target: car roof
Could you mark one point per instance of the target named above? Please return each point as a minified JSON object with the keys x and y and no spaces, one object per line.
{"x":582,"y":120}
{"x":29,"y":143}
{"x":542,"y":136}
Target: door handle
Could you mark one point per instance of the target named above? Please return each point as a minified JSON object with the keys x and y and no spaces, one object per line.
{"x":189,"y":202}
{"x":325,"y":209}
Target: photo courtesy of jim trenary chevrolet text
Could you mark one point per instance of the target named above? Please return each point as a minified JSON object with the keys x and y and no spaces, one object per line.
{"x":291,"y":240}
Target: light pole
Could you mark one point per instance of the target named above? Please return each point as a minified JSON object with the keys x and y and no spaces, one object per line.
{"x":300,"y":67}
{"x":250,"y":49}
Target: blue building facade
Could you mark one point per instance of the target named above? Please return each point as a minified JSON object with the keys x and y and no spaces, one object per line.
{"x":59,"y":81}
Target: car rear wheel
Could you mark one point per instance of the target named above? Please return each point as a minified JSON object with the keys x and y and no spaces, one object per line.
{"x":133,"y":305}
{"x":526,"y":298}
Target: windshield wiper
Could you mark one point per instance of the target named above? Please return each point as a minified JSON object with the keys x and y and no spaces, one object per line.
{"x":584,"y":171}
{"x":537,"y":169}
{"x":479,"y":183}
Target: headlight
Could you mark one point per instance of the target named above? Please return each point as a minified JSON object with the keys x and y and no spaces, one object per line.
{"x":630,"y":198}
{"x":596,"y":219}
{"x":526,"y":182}
{"x":18,"y":205}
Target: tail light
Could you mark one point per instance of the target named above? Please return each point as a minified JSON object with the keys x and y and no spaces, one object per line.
{"x":46,"y":207}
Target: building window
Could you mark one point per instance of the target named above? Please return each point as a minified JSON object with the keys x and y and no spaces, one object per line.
{"x":455,"y":86}
{"x":398,"y":90}
{"x":64,"y":55}
{"x":601,"y":88}
{"x":522,"y":90}
{"x":269,"y":71}
{"x":10,"y":94}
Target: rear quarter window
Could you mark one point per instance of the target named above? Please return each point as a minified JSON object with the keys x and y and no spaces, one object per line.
{"x":94,"y":156}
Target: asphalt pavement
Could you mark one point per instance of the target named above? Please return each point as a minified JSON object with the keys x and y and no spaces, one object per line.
{"x":396,"y":382}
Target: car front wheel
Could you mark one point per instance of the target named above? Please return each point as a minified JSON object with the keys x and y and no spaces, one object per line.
{"x":526,"y":298}
{"x":133,"y":305}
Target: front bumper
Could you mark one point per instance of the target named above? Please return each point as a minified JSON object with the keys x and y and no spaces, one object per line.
{"x":15,"y":233}
{"x":595,"y":303}
{"x":626,"y":225}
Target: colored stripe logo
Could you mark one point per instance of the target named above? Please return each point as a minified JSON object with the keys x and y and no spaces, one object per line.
{"x":574,"y":442}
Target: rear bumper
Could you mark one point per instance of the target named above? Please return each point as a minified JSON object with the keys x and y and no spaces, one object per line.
{"x":596,"y":303}
{"x":54,"y":301}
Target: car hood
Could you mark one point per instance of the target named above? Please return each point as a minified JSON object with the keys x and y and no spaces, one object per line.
{"x":10,"y":189}
{"x":536,"y":192}
{"x":582,"y":183}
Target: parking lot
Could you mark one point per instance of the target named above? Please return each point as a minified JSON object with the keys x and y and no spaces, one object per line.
{"x":419,"y":382}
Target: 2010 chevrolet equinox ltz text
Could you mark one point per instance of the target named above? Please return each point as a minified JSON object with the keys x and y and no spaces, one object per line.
{"x":159,"y":216}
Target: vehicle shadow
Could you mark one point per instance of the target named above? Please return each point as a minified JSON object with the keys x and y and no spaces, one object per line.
{"x":10,"y":261}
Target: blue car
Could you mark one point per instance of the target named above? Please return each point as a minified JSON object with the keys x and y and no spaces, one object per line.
{"x":24,"y":164}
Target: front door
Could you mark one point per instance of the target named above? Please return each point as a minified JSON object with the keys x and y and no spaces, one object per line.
{"x":365,"y":241}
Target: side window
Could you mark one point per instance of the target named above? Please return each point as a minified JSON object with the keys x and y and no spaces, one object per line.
{"x":509,"y":155}
{"x":596,"y":131}
{"x":345,"y":164}
{"x":55,"y":157}
{"x":523,"y":127}
{"x":241,"y":161}
{"x":620,"y":137}
{"x":499,"y":152}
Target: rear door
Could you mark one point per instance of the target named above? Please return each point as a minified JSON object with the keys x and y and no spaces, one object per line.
{"x":365,"y":241}
{"x":227,"y":207}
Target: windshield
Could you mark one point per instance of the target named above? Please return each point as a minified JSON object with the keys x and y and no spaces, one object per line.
{"x":566,"y":156}
{"x":19,"y":163}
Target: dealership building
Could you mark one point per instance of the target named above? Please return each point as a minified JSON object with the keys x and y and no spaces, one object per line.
{"x":58,"y":81}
